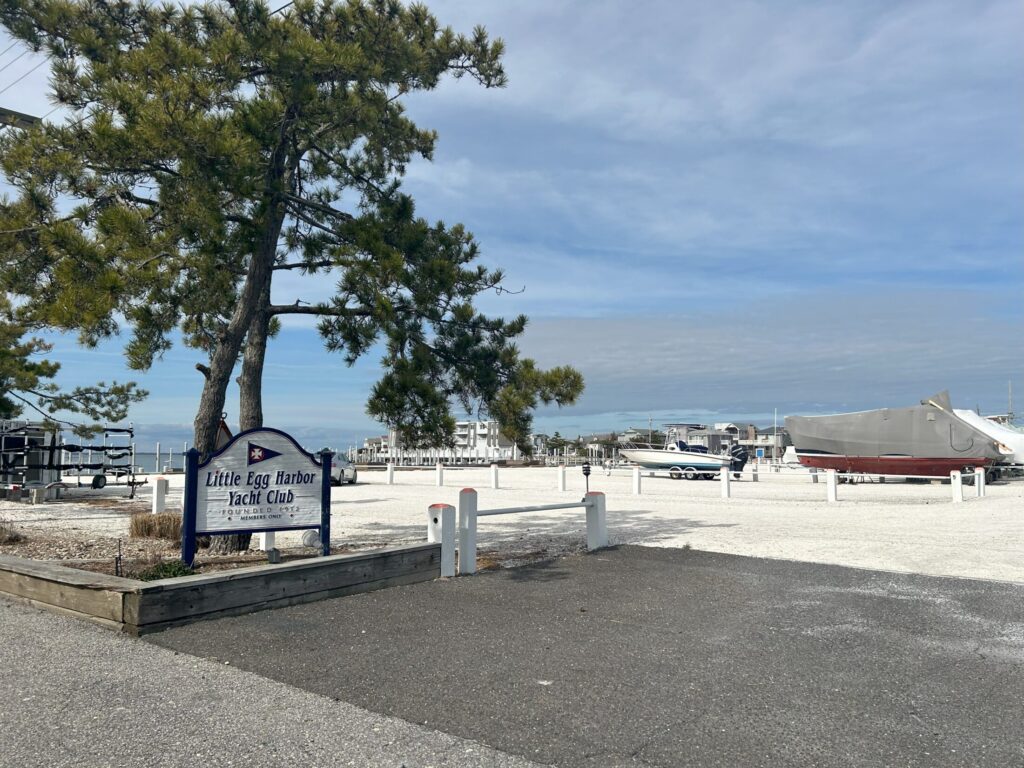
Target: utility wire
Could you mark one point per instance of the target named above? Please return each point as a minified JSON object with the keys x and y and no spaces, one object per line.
{"x":5,"y":50}
{"x":37,"y":66}
{"x":5,"y":66}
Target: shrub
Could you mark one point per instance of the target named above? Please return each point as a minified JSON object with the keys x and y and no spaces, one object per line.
{"x":168,"y":569}
{"x":8,"y":533}
{"x":166,"y":525}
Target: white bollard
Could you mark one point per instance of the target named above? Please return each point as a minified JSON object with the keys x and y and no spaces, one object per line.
{"x":724,"y":475}
{"x":636,"y":481}
{"x":561,"y":477}
{"x":467,"y":531}
{"x":391,"y":473}
{"x":441,"y":530}
{"x":814,"y":474}
{"x":494,"y":475}
{"x":979,"y":481}
{"x":597,"y":526}
{"x":266,"y":541}
{"x":833,"y":485}
{"x":159,"y":495}
{"x":156,"y":468}
{"x":753,"y":474}
{"x":439,"y":474}
{"x":957,"y":484}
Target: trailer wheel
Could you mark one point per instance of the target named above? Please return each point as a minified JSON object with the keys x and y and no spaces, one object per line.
{"x":99,"y":481}
{"x":675,"y":473}
{"x":992,"y":475}
{"x":690,"y":473}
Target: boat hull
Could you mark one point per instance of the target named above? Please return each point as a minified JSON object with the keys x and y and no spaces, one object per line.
{"x":907,"y":466}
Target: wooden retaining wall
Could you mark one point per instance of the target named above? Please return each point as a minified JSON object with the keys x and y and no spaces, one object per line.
{"x":138,"y":607}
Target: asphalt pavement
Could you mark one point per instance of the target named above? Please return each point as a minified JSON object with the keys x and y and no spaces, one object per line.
{"x":663,"y":657}
{"x":78,"y":695}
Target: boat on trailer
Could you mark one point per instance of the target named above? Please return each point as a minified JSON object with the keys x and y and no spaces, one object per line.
{"x":928,"y":440}
{"x":682,"y":460}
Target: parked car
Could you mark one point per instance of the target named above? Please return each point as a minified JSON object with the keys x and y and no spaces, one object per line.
{"x":342,"y":471}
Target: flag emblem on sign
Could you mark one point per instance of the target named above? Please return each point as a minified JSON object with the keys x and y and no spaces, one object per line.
{"x":258,"y":453}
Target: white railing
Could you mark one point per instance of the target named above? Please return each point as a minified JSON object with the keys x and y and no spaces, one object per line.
{"x":832,"y":479}
{"x":441,"y":526}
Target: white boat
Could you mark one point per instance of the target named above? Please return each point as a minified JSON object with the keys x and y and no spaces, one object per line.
{"x":1011,"y":438}
{"x":678,"y":458}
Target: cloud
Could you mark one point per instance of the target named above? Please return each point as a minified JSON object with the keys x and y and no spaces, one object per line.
{"x":821,"y":353}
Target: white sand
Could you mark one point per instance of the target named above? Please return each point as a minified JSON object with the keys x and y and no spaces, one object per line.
{"x":891,"y":526}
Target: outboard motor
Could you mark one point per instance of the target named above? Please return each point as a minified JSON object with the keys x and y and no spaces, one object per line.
{"x":739,"y":457}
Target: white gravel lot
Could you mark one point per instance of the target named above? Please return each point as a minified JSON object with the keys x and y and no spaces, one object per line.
{"x":892,"y":526}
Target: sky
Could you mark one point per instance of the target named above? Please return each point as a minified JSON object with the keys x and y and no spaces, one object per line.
{"x":715,"y":211}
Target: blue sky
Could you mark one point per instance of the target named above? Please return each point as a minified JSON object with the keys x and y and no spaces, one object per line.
{"x":715,"y":210}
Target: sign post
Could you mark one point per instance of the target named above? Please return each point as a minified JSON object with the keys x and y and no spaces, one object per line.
{"x":260,"y":481}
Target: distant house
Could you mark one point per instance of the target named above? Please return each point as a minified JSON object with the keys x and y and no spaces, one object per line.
{"x":476,"y":442}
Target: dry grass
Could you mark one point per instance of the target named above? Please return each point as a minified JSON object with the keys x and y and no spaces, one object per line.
{"x":8,"y":533}
{"x":166,"y":525}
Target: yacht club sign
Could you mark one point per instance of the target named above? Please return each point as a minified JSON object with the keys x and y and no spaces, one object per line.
{"x":260,"y":481}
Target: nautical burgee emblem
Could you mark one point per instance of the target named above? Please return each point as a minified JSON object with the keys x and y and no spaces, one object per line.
{"x":258,"y":453}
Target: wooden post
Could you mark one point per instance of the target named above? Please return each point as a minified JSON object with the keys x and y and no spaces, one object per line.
{"x":753,"y":474}
{"x":833,"y":485}
{"x":494,"y":475}
{"x":957,"y":484}
{"x":266,"y":541}
{"x":439,"y":474}
{"x":636,"y":481}
{"x":814,"y":474}
{"x":441,"y":529}
{"x":597,"y":527}
{"x":723,"y":475}
{"x":467,"y":531}
{"x":561,"y":477}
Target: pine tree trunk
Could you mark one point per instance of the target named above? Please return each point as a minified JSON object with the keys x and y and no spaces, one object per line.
{"x":252,"y":299}
{"x":250,"y":411}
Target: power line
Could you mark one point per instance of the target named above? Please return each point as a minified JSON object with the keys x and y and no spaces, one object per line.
{"x":5,"y":66}
{"x":37,"y":66}
{"x":5,"y":50}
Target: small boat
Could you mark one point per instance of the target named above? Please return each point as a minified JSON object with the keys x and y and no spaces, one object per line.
{"x":682,"y":460}
{"x":924,"y":440}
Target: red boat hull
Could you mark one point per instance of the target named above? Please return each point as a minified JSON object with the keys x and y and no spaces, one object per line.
{"x":892,"y":465}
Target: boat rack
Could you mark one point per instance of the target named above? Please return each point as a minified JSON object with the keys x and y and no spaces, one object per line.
{"x":33,"y":454}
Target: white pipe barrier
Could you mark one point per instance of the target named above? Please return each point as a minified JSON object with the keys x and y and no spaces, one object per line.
{"x":957,"y":483}
{"x":467,"y":530}
{"x":439,"y":474}
{"x":832,"y":484}
{"x":636,"y":481}
{"x":159,"y":495}
{"x":979,"y":481}
{"x":593,"y":503}
{"x":494,"y":476}
{"x":724,"y":476}
{"x":391,"y":473}
{"x":561,"y":477}
{"x":441,"y":529}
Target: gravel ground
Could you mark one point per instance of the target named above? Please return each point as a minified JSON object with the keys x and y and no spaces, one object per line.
{"x":892,"y":526}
